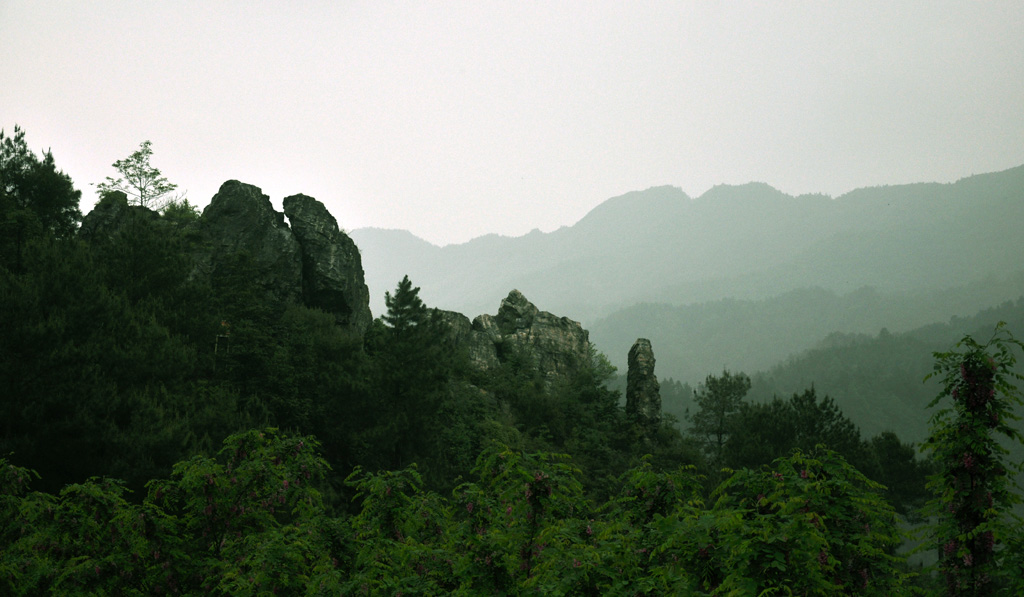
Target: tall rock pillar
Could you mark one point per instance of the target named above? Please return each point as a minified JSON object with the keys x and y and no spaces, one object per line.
{"x":643,"y":393}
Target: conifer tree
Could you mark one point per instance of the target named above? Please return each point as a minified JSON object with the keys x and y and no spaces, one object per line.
{"x":718,"y":401}
{"x":413,"y":365}
{"x":35,"y":199}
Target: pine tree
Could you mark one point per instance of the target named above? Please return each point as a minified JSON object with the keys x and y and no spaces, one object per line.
{"x":718,"y":401}
{"x":406,"y":312}
{"x":36,"y":200}
{"x":413,"y":366}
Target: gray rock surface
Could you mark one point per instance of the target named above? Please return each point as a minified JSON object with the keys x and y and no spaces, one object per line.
{"x":240,"y":219}
{"x":480,"y":347}
{"x":558,"y":345}
{"x":311,"y":262}
{"x":643,"y":392}
{"x":332,"y":270}
{"x":555,"y":347}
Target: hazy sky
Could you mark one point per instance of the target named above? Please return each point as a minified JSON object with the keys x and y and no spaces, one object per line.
{"x":457,"y":119}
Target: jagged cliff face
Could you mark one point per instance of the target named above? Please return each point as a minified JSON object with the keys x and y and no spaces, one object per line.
{"x":109,"y":214}
{"x":554,"y":347}
{"x":332,"y":270}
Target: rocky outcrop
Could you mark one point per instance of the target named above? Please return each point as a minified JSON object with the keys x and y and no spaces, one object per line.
{"x":553,"y":347}
{"x":241,"y":220}
{"x":557,"y":345}
{"x":479,"y":347}
{"x":643,"y":393}
{"x":110,"y":214}
{"x":315,"y":264}
{"x":332,"y":270}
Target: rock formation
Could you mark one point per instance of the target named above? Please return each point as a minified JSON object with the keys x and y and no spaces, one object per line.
{"x":643,"y":393}
{"x":480,"y":347}
{"x":240,"y":219}
{"x":332,"y":270}
{"x":312,"y":262}
{"x":559,"y":345}
{"x":109,"y":215}
{"x":554,"y":347}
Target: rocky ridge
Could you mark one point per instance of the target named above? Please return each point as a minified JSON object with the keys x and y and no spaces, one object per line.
{"x":241,"y":220}
{"x":110,"y":214}
{"x":307,"y":259}
{"x":553,"y":347}
{"x":311,"y":262}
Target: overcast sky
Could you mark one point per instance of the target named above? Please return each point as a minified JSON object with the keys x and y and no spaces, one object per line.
{"x":458,"y":119}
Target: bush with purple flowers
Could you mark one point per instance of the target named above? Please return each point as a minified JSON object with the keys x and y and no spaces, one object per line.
{"x":974,"y":491}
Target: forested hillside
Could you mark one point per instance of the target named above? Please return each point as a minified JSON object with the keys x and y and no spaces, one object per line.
{"x":696,"y":339}
{"x":143,"y":338}
{"x":878,"y":379}
{"x":201,"y":403}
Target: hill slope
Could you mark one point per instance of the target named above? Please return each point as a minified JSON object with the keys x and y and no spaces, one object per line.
{"x":692,"y":341}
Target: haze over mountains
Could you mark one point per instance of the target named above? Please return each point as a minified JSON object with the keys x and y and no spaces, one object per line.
{"x":741,"y":276}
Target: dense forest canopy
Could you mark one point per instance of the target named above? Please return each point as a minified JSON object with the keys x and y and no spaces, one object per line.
{"x":176,"y":418}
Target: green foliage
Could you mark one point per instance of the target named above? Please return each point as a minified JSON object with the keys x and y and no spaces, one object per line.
{"x":811,"y":525}
{"x":76,"y":360}
{"x":253,"y":521}
{"x":676,"y":399}
{"x":141,"y":182}
{"x":895,"y":465}
{"x":766,"y":431}
{"x":973,"y":489}
{"x":520,"y":522}
{"x":400,"y":537}
{"x":763,"y":432}
{"x":250,"y":521}
{"x":180,"y":211}
{"x":36,"y":200}
{"x":116,"y":363}
{"x":148,"y":261}
{"x":413,"y":364}
{"x":877,"y":377}
{"x":406,"y":311}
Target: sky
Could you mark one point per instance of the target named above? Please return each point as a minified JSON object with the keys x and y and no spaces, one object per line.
{"x":457,"y":119}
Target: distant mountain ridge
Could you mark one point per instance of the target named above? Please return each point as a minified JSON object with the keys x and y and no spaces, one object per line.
{"x":748,"y":241}
{"x":692,"y":341}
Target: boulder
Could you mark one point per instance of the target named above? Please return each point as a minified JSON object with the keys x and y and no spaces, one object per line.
{"x":332,"y":270}
{"x":643,"y":393}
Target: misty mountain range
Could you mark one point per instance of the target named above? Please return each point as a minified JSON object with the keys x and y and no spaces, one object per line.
{"x":740,"y":277}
